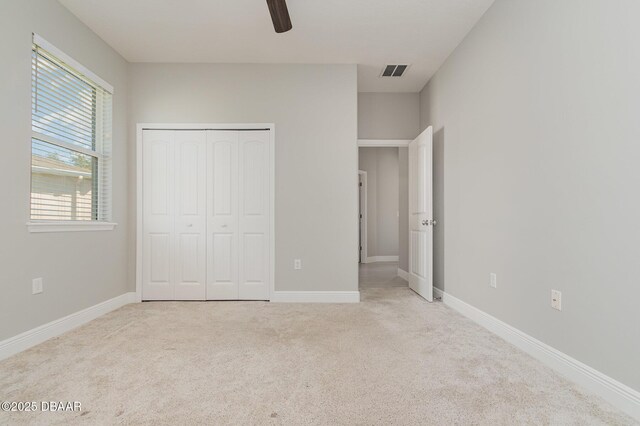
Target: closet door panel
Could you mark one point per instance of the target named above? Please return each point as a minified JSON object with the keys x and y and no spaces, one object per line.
{"x":159,"y":258}
{"x":222,"y":282}
{"x":190,"y":217}
{"x":253,"y":168}
{"x":189,"y":272}
{"x":158,"y":215}
{"x":253,"y":272}
{"x":222,"y":215}
{"x":254,"y":280}
{"x":224,"y":158}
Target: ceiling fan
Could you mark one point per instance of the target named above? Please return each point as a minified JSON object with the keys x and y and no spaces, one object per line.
{"x":279,"y":15}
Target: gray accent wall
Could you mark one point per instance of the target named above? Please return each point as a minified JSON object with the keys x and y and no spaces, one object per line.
{"x":314,"y":108}
{"x":79,"y":269}
{"x":536,"y":144}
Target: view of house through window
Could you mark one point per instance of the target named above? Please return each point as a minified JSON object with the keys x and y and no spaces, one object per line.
{"x":71,"y":141}
{"x":62,"y":184}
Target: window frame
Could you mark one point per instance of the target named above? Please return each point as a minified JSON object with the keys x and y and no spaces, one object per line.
{"x":102,"y":152}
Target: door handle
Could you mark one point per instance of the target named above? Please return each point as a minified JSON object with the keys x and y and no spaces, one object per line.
{"x":189,"y":225}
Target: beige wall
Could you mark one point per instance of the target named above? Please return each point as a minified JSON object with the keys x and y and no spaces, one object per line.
{"x":314,"y":108}
{"x":381,"y":165}
{"x":79,"y":269}
{"x":535,"y":119}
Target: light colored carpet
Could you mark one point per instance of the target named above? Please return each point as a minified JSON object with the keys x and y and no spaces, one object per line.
{"x":392,"y":359}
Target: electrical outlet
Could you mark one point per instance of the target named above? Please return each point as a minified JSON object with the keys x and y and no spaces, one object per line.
{"x":556,"y":299}
{"x":297,"y":264}
{"x":36,"y":286}
{"x":493,"y":280}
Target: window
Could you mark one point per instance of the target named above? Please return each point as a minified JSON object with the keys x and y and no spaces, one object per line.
{"x":71,"y":140}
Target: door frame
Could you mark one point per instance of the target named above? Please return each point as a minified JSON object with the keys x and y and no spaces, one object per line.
{"x":362,"y":176}
{"x":384,"y":143}
{"x":140,"y":127}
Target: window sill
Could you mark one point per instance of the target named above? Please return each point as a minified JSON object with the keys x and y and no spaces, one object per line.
{"x":52,"y":226}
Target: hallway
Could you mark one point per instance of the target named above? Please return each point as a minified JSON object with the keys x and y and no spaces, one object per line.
{"x":379,"y":275}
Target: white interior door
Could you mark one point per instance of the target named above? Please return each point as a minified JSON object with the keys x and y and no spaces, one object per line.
{"x":421,"y":215}
{"x":254,"y":215}
{"x":174,"y":215}
{"x":222,"y":215}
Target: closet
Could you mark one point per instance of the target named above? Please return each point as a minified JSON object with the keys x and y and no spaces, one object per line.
{"x":206,"y":214}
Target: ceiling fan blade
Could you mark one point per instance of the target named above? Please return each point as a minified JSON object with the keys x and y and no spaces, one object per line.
{"x":279,"y":15}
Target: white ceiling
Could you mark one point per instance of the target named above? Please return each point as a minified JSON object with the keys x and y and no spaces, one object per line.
{"x":370,"y":33}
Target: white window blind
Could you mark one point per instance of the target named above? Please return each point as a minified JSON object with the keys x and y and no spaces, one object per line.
{"x":71,"y":140}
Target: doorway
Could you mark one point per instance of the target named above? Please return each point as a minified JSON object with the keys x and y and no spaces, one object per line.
{"x":399,"y":213}
{"x":382,"y":188}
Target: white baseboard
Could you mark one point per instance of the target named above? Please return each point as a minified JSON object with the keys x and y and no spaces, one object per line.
{"x":372,"y":259}
{"x":23,"y":341}
{"x":316,"y":296}
{"x":617,"y":394}
{"x":404,"y":275}
{"x":437,"y":293}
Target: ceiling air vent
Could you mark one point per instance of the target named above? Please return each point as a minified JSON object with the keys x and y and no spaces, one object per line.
{"x":394,"y":70}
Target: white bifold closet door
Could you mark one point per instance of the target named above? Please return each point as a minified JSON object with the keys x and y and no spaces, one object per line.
{"x":174,"y":203}
{"x":238,"y":215}
{"x":206,"y":215}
